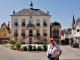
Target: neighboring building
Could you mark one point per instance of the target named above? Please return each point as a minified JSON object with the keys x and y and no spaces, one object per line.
{"x":30,"y":25}
{"x":55,"y":31}
{"x":5,"y":33}
{"x":73,"y":27}
{"x":66,"y":33}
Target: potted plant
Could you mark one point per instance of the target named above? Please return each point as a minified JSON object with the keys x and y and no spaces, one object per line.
{"x":38,"y":24}
{"x":45,"y":24}
{"x":45,"y":34}
{"x":16,"y":34}
{"x":23,"y":34}
{"x":16,"y":24}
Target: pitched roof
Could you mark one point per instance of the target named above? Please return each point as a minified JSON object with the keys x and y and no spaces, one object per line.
{"x":55,"y":24}
{"x":73,"y":21}
{"x":6,"y":27}
{"x":28,"y":12}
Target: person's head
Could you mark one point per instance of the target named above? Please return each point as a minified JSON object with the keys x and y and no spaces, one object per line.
{"x":52,"y":40}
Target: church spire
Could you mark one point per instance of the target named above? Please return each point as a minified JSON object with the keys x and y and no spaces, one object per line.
{"x":73,"y":20}
{"x":31,"y":5}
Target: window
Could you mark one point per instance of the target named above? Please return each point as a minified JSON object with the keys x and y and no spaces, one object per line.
{"x":38,"y":31}
{"x":37,"y":21}
{"x":57,"y":29}
{"x":3,"y":29}
{"x":45,"y":31}
{"x":16,"y":30}
{"x":57,"y":34}
{"x":44,"y":21}
{"x":23,"y":30}
{"x":4,"y":34}
{"x":15,"y":21}
{"x":54,"y":34}
{"x":23,"y":20}
{"x":30,"y":21}
{"x":54,"y":29}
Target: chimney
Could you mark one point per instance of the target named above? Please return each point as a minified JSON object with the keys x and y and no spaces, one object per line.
{"x":14,"y":12}
{"x":8,"y":24}
{"x":48,"y":12}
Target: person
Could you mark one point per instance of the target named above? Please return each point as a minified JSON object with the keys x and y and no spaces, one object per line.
{"x":53,"y":50}
{"x":72,"y":42}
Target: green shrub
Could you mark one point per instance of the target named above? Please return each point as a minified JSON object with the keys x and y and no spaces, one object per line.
{"x":18,"y":44}
{"x":24,"y":48}
{"x":11,"y":41}
{"x":11,"y":46}
{"x":39,"y":48}
{"x":34,"y":49}
{"x":14,"y":48}
{"x":29,"y":48}
{"x":44,"y":48}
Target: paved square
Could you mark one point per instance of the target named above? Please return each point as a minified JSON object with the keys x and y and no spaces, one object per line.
{"x":7,"y":54}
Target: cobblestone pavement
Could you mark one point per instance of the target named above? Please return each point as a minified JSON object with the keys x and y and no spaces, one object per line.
{"x":68,"y":54}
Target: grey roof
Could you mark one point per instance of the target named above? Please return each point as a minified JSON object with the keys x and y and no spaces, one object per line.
{"x":55,"y":24}
{"x":28,"y":12}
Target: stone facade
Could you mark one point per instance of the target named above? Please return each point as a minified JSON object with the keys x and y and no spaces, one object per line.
{"x":55,"y":30}
{"x":31,"y":27}
{"x":4,"y":33}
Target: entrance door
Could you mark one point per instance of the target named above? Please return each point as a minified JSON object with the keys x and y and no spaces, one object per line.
{"x":30,"y":33}
{"x":30,"y":40}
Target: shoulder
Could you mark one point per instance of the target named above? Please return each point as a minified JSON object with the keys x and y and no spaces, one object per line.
{"x":56,"y":45}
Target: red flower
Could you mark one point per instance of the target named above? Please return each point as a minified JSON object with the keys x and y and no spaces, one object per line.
{"x":19,"y":49}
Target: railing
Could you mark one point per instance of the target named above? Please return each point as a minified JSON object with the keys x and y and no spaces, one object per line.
{"x":55,"y":31}
{"x":36,"y":38}
{"x":56,"y":36}
{"x":30,"y":25}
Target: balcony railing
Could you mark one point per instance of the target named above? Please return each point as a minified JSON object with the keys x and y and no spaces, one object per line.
{"x":55,"y":31}
{"x":16,"y":34}
{"x":45,"y":34}
{"x":23,"y":24}
{"x":30,"y":25}
{"x":38,"y":34}
{"x":23,"y":34}
{"x":56,"y":36}
{"x":16,"y":24}
{"x":38,"y":24}
{"x":45,"y":24}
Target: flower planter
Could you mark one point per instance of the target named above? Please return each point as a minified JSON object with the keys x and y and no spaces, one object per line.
{"x":23,"y":34}
{"x":20,"y":49}
{"x":38,"y":24}
{"x":15,"y":34}
{"x":45,"y":34}
{"x":16,"y":24}
{"x":45,"y":24}
{"x":38,"y":34}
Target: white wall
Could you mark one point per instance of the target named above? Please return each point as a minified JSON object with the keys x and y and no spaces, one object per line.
{"x":27,"y":22}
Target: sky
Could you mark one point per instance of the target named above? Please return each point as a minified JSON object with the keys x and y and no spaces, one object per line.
{"x":60,"y":10}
